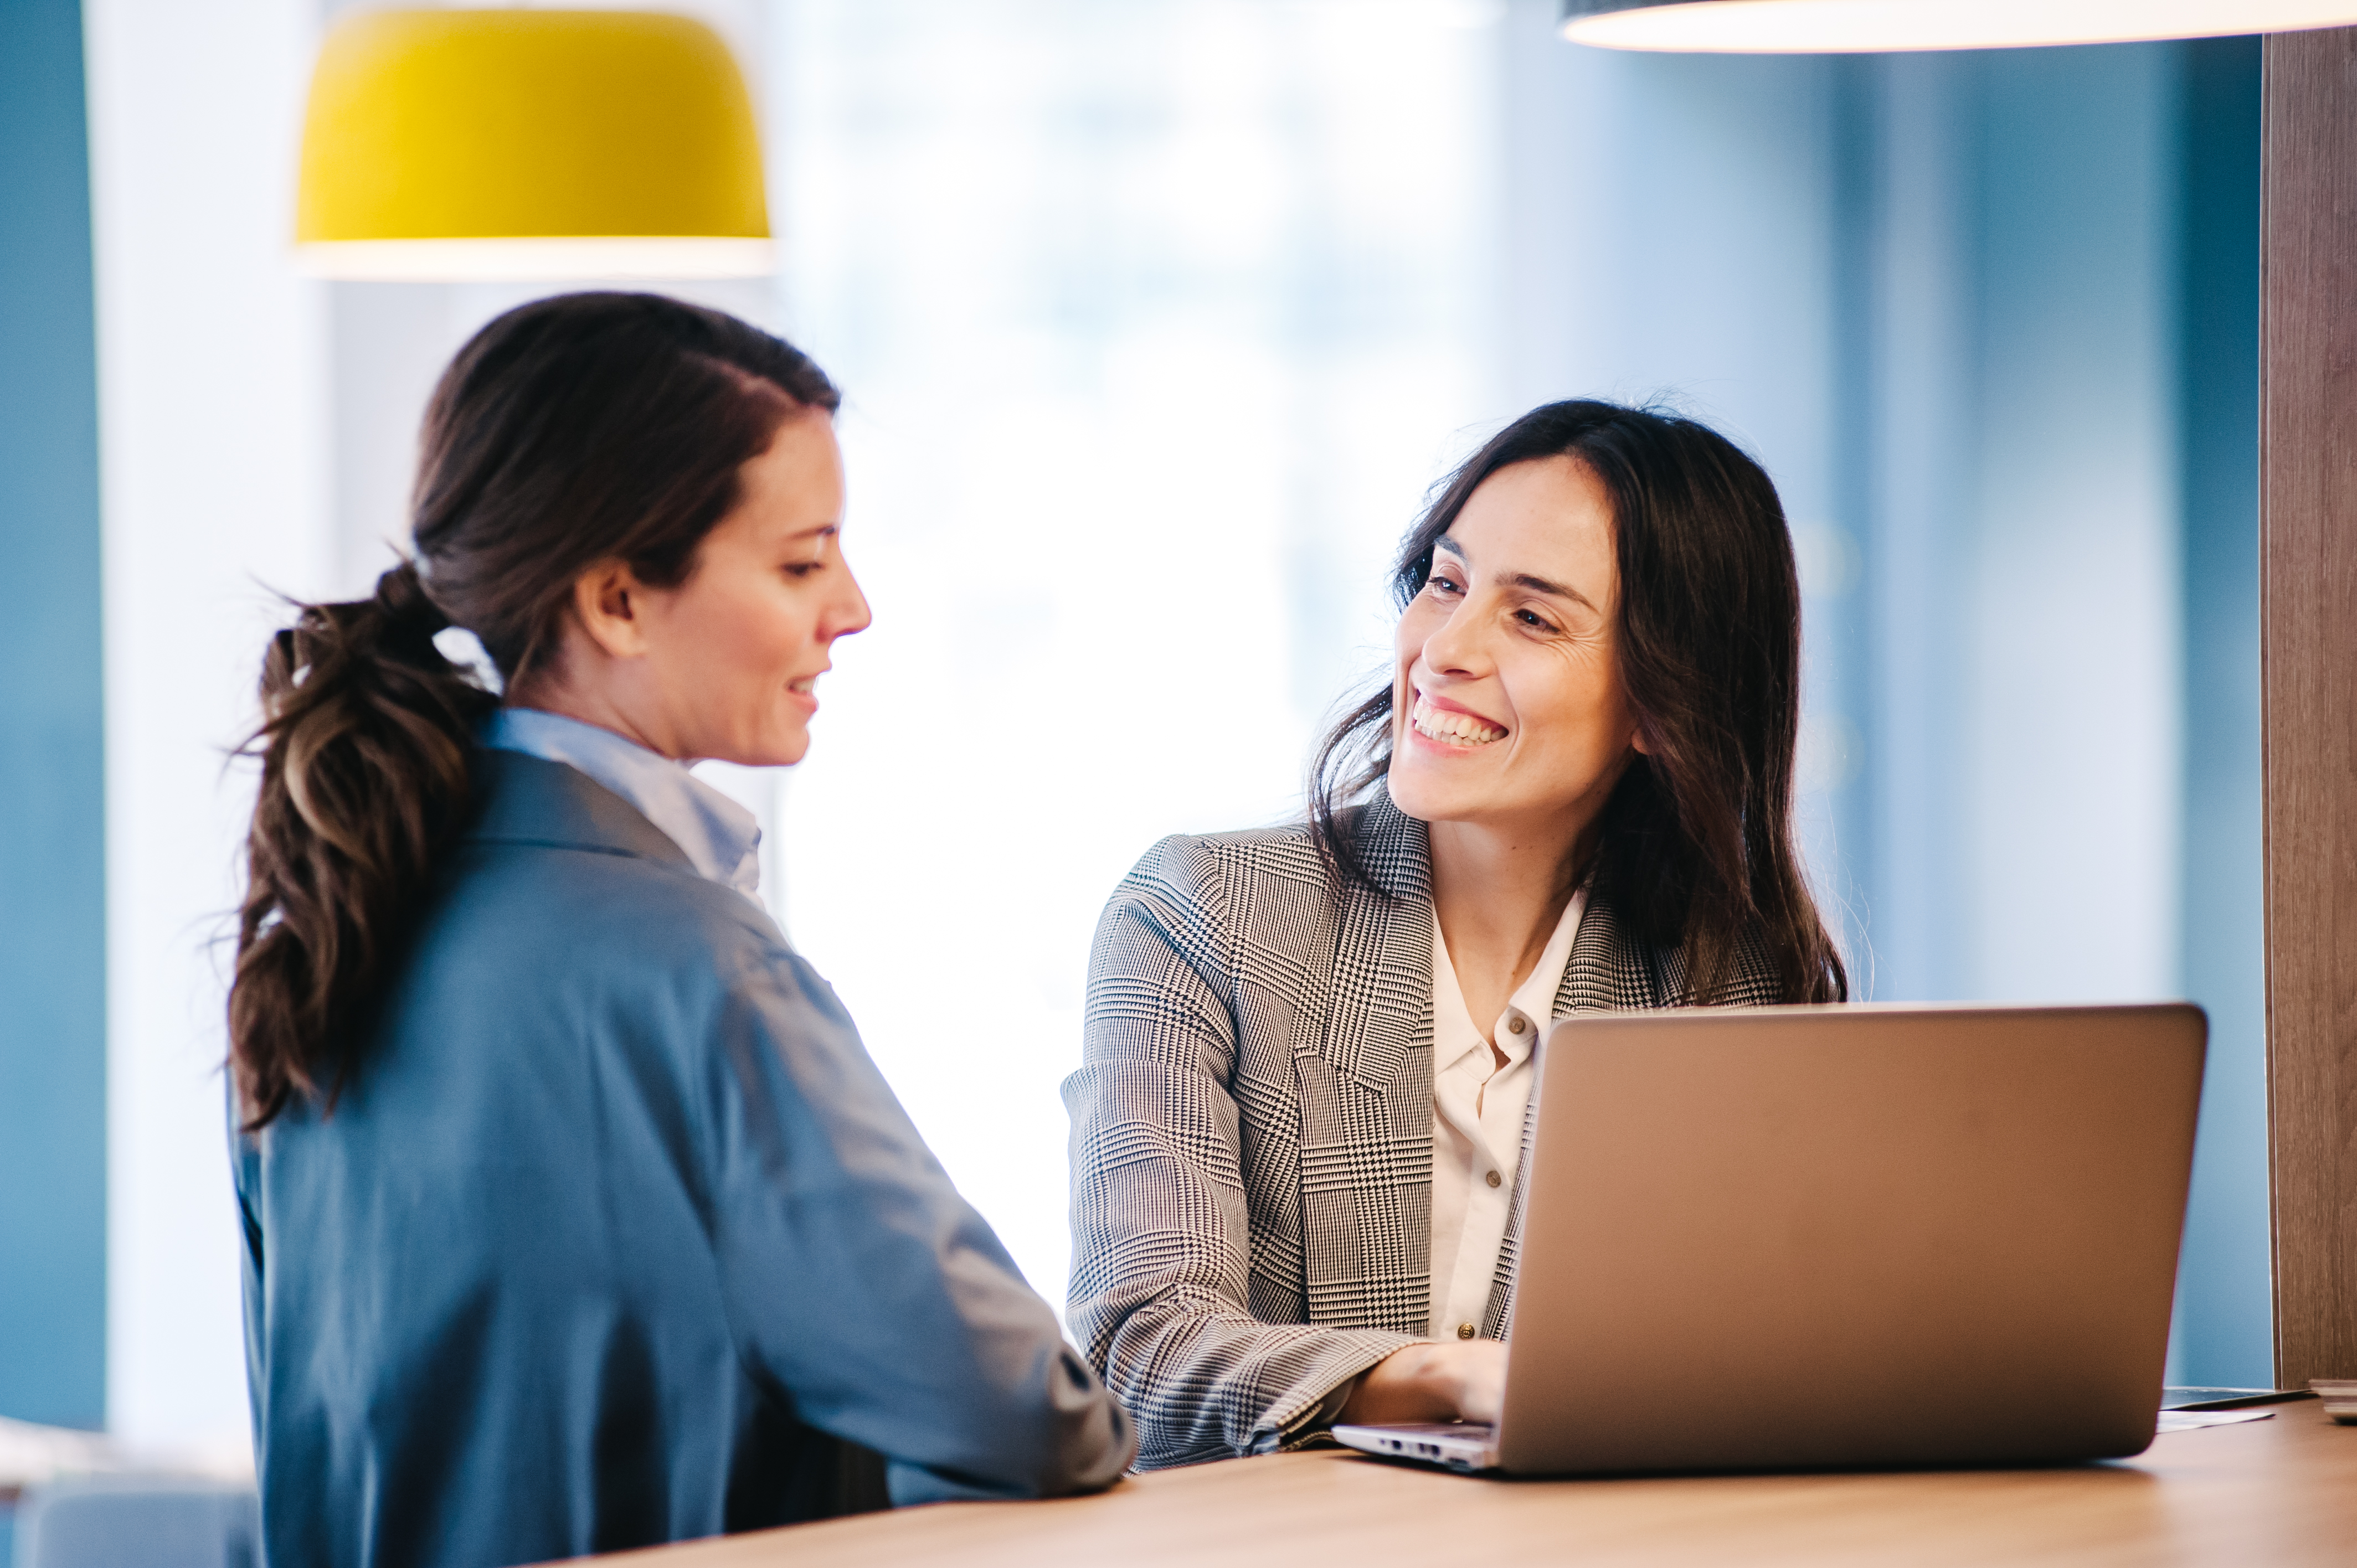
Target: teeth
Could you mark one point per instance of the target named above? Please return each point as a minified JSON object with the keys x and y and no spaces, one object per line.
{"x":1454,"y":729}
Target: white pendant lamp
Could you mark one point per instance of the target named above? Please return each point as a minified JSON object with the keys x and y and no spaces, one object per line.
{"x":1857,"y":27}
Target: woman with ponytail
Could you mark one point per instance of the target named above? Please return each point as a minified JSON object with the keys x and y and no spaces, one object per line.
{"x":576,"y":1216}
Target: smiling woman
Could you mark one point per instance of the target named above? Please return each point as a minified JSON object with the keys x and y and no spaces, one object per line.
{"x":1299,"y":1125}
{"x":1665,"y":597}
{"x":576,"y":1216}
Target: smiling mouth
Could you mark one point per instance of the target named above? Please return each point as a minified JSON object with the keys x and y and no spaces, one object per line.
{"x":1452,"y":728}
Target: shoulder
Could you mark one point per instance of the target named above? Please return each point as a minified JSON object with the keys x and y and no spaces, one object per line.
{"x":554,"y":857}
{"x":1613,"y":969}
{"x":550,"y":985}
{"x":1194,"y":868}
{"x":537,"y":937}
{"x":1393,"y":847}
{"x":560,"y":884}
{"x":1220,"y":905}
{"x":1264,"y":901}
{"x":1208,"y":898}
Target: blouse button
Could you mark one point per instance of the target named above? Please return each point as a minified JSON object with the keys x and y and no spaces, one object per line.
{"x":1514,"y":1025}
{"x":1465,"y":1331}
{"x":1494,"y":1180}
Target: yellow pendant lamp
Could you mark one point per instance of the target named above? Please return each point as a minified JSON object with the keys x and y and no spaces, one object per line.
{"x":529,"y":145}
{"x":1846,"y":26}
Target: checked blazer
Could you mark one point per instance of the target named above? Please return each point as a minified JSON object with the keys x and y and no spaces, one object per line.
{"x":1252,"y":1127}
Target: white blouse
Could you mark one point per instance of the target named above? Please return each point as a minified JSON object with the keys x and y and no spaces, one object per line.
{"x":1477,"y":1122}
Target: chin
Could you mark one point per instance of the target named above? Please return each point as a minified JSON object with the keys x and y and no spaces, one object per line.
{"x":1422,"y":797}
{"x":770,"y":751}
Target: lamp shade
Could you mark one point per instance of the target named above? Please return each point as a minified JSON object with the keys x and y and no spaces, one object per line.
{"x":1851,"y":26}
{"x":504,"y":143}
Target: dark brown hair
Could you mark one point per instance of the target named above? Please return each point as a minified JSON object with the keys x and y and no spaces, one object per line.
{"x":572,"y":431}
{"x":1695,"y":844}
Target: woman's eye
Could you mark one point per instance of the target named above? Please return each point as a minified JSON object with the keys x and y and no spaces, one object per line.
{"x":801,"y":569}
{"x":1533,"y":619}
{"x":1441,"y":585}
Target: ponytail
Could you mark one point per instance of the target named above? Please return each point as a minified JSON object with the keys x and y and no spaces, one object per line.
{"x":365,"y":741}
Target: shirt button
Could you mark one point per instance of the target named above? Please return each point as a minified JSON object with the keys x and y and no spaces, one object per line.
{"x":1465,"y":1331}
{"x":1493,"y":1179}
{"x":1514,"y":1025}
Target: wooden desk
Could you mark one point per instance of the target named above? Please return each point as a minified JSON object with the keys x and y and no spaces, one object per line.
{"x":2277,"y":1492}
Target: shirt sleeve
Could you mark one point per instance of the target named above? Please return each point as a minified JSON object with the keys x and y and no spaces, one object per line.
{"x":863,"y":1286}
{"x":1161,"y":1223}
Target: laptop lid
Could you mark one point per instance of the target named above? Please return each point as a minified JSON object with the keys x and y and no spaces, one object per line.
{"x":1794,"y":1237}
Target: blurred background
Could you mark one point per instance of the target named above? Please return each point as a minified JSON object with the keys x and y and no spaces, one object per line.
{"x":1155,"y":321}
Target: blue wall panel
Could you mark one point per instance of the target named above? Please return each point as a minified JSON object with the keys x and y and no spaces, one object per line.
{"x":2225,"y":1332}
{"x":52,"y":799}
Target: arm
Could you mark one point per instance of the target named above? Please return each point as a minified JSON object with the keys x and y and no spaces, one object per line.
{"x":862,"y":1283}
{"x":1161,"y":1232}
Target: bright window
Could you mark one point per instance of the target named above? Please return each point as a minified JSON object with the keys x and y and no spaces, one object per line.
{"x":1156,"y":320}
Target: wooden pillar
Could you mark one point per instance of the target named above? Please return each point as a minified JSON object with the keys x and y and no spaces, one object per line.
{"x":2308,"y":629}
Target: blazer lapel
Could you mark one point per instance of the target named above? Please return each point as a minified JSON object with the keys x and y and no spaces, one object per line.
{"x":1380,"y":1014}
{"x":1366,"y":1096}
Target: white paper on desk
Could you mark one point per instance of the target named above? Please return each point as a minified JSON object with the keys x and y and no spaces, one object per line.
{"x":2186,"y":1420}
{"x":30,"y":1454}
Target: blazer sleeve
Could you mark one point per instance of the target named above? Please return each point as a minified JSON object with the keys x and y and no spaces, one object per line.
{"x":862,"y":1286}
{"x":1161,"y":1217}
{"x":245,"y":1181}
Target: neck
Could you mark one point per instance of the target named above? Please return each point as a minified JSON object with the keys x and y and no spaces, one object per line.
{"x":1500,"y":891}
{"x":568,"y":700}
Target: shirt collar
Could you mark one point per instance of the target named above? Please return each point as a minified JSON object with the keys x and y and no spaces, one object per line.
{"x":1454,"y":1033}
{"x":720,"y":838}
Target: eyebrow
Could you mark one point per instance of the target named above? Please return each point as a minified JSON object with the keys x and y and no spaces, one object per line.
{"x":815,"y":536}
{"x":1536,"y":585}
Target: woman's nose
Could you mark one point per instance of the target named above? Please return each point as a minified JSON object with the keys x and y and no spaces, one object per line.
{"x":849,"y":612}
{"x":1454,"y":648}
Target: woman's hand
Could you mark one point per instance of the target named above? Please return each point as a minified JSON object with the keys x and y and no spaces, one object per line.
{"x":1431,"y":1381}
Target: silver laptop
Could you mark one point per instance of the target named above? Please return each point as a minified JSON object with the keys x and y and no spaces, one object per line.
{"x":1795,"y":1237}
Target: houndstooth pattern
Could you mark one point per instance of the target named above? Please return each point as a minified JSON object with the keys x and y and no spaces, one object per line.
{"x":1252,"y":1127}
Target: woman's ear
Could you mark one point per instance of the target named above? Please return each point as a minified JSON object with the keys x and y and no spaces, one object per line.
{"x":1637,"y":742}
{"x":609,"y":601}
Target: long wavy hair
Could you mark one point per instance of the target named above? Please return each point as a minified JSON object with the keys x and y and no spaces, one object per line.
{"x":572,"y":431}
{"x":1695,"y":846}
